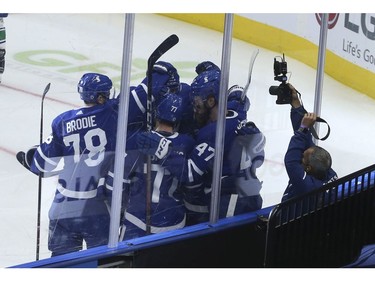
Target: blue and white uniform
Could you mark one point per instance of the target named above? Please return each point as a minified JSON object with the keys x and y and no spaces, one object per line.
{"x":167,"y":208}
{"x":247,"y":155}
{"x":243,"y":154}
{"x":238,"y":183}
{"x":79,"y":150}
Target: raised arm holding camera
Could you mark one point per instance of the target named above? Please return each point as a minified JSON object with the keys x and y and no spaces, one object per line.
{"x":308,"y":166}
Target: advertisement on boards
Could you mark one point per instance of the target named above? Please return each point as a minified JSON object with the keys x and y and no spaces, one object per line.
{"x":350,"y":36}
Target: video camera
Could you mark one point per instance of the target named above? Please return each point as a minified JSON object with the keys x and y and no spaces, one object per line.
{"x":283,"y":93}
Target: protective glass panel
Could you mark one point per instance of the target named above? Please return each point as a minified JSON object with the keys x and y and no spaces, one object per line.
{"x":167,"y":176}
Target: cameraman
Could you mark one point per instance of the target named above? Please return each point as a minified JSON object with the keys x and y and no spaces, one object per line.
{"x":308,"y":165}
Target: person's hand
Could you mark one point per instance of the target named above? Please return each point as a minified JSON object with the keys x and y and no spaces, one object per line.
{"x":152,"y":143}
{"x":308,"y":120}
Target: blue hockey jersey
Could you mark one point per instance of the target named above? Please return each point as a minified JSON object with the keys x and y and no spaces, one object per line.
{"x":79,"y":150}
{"x":167,"y":208}
{"x":197,"y":173}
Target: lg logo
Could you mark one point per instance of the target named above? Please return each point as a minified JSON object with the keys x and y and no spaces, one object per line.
{"x":356,"y":23}
{"x":366,"y":24}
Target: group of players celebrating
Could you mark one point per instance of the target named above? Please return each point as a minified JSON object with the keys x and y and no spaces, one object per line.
{"x":176,"y":157}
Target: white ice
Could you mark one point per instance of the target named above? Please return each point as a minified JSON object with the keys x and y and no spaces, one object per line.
{"x":98,"y":39}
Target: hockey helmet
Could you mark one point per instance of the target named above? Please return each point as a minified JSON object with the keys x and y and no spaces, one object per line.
{"x":206,"y":84}
{"x":206,"y":66}
{"x":91,"y":85}
{"x":170,"y":108}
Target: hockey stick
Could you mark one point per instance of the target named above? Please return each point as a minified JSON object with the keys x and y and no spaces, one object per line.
{"x":159,"y":51}
{"x":252,"y":60}
{"x":46,"y":89}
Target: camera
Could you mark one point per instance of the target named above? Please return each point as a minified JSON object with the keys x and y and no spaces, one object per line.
{"x":283,"y":93}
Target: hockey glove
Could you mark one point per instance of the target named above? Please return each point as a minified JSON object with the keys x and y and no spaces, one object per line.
{"x":26,"y":158}
{"x":163,"y":67}
{"x":173,"y":83}
{"x":165,"y":79}
{"x":152,"y":143}
{"x":237,"y":101}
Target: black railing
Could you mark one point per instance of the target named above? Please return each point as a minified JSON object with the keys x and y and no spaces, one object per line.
{"x":325,"y":228}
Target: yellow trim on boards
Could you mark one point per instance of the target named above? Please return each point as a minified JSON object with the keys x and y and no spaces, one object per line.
{"x":293,"y":46}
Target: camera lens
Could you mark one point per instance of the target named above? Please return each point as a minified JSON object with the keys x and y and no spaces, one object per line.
{"x":274,"y":90}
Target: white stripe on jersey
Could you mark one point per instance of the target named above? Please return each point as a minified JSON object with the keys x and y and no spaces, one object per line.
{"x":154,"y":229}
{"x":77,"y":194}
{"x":138,"y":102}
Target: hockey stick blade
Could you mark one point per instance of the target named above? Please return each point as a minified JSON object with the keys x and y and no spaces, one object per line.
{"x":251,"y":65}
{"x":46,"y":89}
{"x":167,"y":44}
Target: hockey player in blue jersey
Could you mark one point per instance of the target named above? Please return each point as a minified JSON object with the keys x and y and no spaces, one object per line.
{"x":167,"y":208}
{"x":78,"y":151}
{"x":308,"y":165}
{"x":198,"y":168}
{"x":247,"y":154}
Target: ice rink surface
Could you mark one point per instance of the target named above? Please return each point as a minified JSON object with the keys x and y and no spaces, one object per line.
{"x":59,"y":48}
